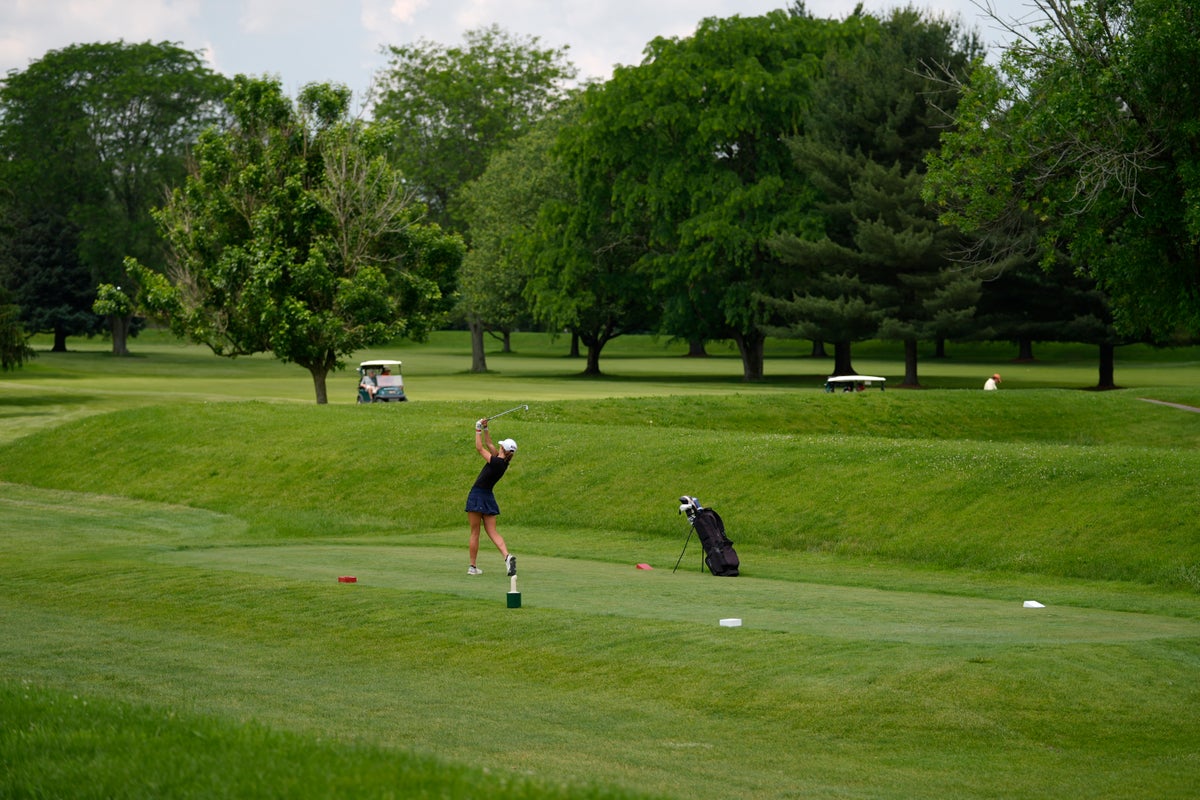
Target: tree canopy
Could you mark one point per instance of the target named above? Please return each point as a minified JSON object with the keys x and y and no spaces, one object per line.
{"x":684,"y":156}
{"x":504,"y":204}
{"x":881,"y":265}
{"x":581,"y":268}
{"x":294,"y":234}
{"x":457,"y":105}
{"x":1088,"y":130}
{"x":90,"y":137}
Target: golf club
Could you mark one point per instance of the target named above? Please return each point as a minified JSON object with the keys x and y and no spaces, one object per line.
{"x":502,"y":413}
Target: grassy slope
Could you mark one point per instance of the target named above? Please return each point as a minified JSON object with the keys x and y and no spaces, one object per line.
{"x":1059,"y":483}
{"x":886,"y":539}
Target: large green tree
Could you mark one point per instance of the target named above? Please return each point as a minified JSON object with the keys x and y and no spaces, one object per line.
{"x":455,"y":106}
{"x":583,"y":274}
{"x":883,"y":264}
{"x":504,"y":204}
{"x":1091,"y":124}
{"x":40,"y":263}
{"x":294,"y":234}
{"x":90,"y":137}
{"x":684,"y":156}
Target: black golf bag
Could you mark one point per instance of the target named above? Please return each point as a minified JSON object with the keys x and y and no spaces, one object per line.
{"x":719,"y":555}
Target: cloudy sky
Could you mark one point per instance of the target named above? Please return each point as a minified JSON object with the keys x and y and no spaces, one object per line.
{"x":301,"y":41}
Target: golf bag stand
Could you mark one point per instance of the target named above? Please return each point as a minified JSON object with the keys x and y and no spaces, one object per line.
{"x":719,"y":555}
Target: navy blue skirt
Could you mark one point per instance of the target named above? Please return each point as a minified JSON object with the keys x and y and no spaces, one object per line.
{"x":483,"y":501}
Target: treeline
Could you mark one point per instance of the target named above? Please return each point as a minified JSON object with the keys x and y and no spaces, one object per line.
{"x":781,"y":175}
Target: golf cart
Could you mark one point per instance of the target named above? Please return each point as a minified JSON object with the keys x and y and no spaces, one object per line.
{"x":853,"y":383}
{"x":379,"y":381}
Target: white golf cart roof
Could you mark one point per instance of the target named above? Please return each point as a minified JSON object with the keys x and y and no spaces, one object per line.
{"x":854,"y":379}
{"x":379,"y":362}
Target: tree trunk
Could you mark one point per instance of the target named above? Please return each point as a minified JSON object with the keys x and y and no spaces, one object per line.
{"x":318,"y":375}
{"x":120,"y":334}
{"x":818,"y":349}
{"x":574,"y":351}
{"x":60,"y":340}
{"x":696,"y":349}
{"x":751,"y":346}
{"x":506,"y":338}
{"x":593,"y":360}
{"x":1024,"y":349}
{"x":478,"y":358}
{"x":939,"y":347}
{"x":841,"y":359}
{"x":910,"y":365}
{"x":1107,"y":367}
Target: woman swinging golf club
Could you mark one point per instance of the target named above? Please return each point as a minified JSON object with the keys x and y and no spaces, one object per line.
{"x":481,"y":503}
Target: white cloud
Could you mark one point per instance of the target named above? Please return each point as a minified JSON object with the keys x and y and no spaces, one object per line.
{"x":34,"y":27}
{"x":340,"y":40}
{"x":259,"y":16}
{"x":405,"y":10}
{"x":209,"y":54}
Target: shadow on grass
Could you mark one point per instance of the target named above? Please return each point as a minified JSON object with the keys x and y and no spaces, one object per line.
{"x":39,"y":404}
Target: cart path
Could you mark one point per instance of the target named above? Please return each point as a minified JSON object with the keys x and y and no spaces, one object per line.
{"x":1180,"y":406}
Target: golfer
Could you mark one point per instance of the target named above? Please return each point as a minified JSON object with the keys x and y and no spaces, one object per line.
{"x":992,"y":383}
{"x":481,"y":503}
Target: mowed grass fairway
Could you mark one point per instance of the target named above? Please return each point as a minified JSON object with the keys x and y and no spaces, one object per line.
{"x":172,"y":528}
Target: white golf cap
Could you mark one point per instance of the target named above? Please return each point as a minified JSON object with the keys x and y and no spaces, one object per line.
{"x":509,"y":445}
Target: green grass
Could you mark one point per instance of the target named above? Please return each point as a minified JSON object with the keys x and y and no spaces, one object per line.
{"x":66,"y":745}
{"x":171,"y":531}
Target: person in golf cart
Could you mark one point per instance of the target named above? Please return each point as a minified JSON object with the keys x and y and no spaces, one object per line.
{"x":368,"y":386}
{"x":380,"y":382}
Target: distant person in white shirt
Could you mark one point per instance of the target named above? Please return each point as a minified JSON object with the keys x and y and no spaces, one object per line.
{"x":990,"y":384}
{"x":369,"y":384}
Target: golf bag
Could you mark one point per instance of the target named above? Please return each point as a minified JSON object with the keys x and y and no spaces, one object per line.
{"x":719,"y":555}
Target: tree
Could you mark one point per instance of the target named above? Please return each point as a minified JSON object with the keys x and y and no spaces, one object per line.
{"x":14,"y":345}
{"x":883,"y":264}
{"x":1024,"y":301}
{"x":40,"y":265}
{"x":90,"y":137}
{"x":583,"y":277}
{"x":1089,"y":124}
{"x":294,"y":235}
{"x":118,"y":307}
{"x":581,"y":273}
{"x":456,"y":106}
{"x":503,"y":205}
{"x":684,"y":157}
